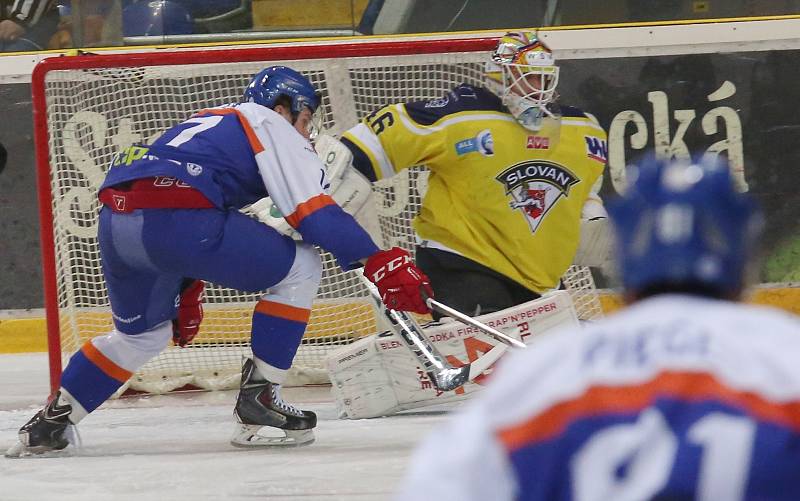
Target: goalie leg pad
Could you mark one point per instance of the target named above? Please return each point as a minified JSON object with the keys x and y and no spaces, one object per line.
{"x":378,"y":376}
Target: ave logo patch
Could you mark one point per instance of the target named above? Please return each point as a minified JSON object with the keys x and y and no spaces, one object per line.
{"x":538,"y":143}
{"x":596,"y":148}
{"x":535,"y":186}
{"x":483,"y":143}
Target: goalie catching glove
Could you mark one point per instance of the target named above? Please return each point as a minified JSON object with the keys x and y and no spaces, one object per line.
{"x":190,"y":313}
{"x":399,"y":281}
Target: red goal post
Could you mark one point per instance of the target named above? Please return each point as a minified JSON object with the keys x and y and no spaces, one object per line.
{"x":87,"y":107}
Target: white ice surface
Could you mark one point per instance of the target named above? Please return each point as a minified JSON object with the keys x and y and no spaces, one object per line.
{"x":175,"y":447}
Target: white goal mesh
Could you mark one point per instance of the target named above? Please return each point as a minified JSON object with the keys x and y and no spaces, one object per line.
{"x":95,"y":105}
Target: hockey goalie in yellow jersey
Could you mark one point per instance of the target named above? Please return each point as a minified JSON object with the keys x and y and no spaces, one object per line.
{"x":513,"y":177}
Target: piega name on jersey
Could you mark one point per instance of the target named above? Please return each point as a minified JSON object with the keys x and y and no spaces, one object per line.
{"x":537,"y":170}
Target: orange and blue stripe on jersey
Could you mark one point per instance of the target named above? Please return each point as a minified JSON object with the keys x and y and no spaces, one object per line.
{"x":610,"y":428}
{"x":321,"y":221}
{"x":318,"y":218}
{"x":96,"y":377}
{"x":308,"y":208}
{"x":252,"y":138}
{"x":277,"y":331}
{"x":283,"y":311}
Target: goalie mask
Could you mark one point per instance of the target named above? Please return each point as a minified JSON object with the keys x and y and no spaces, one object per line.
{"x":523,"y":73}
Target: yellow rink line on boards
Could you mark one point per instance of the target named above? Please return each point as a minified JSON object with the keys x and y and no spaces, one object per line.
{"x":786,"y":298}
{"x":341,"y":319}
{"x":26,"y":335}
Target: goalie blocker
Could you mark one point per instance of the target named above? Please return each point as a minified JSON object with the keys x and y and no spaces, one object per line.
{"x":378,"y":376}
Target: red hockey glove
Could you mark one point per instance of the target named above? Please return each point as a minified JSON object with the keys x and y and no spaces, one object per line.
{"x":399,"y":281}
{"x":190,"y":313}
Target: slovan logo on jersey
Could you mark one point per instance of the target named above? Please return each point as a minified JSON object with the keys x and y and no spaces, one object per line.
{"x":535,"y":186}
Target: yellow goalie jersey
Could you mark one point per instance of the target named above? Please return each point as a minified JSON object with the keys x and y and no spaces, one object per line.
{"x":498,"y":193}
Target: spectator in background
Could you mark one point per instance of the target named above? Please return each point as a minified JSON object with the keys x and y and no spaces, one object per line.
{"x":145,"y":18}
{"x":26,"y":25}
{"x":183,"y":17}
{"x":101,"y":25}
{"x":101,"y":21}
{"x":219,"y":16}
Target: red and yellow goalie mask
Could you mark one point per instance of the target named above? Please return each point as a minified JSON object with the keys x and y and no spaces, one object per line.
{"x":523,"y":73}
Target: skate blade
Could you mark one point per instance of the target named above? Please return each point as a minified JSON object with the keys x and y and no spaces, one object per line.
{"x":247,"y":435}
{"x":20,"y":451}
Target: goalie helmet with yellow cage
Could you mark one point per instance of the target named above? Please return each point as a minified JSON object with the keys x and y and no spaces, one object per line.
{"x":522,"y":71}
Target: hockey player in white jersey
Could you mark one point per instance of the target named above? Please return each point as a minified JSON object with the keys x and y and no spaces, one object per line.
{"x":684,"y":395}
{"x":171,"y":220}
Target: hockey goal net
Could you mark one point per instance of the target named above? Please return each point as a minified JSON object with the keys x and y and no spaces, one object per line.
{"x":88,"y":107}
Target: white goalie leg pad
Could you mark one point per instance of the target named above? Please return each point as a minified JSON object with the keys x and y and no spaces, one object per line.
{"x":595,"y":245}
{"x":378,"y":376}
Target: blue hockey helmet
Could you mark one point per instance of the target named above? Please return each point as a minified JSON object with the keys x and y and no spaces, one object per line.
{"x":151,"y":18}
{"x":683,"y":224}
{"x":270,"y":83}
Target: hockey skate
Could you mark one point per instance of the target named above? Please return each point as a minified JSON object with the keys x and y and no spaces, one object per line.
{"x":264,"y":419}
{"x":46,"y":433}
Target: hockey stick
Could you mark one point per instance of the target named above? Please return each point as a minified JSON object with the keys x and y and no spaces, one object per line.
{"x":442,"y":374}
{"x":466,"y":319}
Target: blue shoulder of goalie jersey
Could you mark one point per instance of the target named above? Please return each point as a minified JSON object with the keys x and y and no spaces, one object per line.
{"x":464,"y":97}
{"x":570,"y":112}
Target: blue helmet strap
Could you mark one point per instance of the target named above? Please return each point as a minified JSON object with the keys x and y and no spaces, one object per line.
{"x":294,"y":106}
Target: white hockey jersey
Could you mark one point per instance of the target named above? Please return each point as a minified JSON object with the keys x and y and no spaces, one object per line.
{"x":676,"y":397}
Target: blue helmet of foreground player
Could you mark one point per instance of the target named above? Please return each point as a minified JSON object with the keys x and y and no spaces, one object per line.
{"x":270,"y":83}
{"x":683,"y":223}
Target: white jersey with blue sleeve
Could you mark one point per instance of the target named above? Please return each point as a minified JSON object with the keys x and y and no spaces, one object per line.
{"x":676,"y":397}
{"x":238,"y":154}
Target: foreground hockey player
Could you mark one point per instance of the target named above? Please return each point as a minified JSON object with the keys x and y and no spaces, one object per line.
{"x":171,"y":219}
{"x":512,"y":174}
{"x":686,"y":394}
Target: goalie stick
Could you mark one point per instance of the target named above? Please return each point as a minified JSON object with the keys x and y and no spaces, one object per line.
{"x":442,"y":374}
{"x":466,"y":319}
